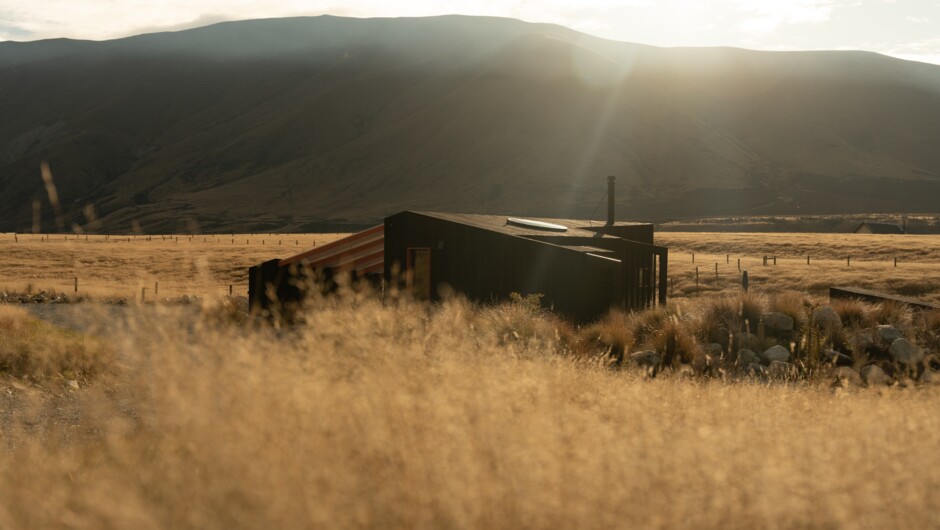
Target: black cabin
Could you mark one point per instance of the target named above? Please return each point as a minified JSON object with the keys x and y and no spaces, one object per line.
{"x":582,"y":268}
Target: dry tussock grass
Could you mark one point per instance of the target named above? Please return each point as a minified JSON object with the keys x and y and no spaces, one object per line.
{"x":872,"y":263}
{"x":856,"y":313}
{"x":720,"y":319}
{"x":120,"y":266}
{"x":41,"y":353}
{"x":395,"y":416}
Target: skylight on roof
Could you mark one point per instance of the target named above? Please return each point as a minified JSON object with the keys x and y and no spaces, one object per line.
{"x":538,"y":225}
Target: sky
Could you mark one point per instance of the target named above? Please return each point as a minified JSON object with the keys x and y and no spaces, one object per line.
{"x":909,"y":29}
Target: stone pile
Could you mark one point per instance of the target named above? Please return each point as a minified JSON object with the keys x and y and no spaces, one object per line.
{"x":873,"y":357}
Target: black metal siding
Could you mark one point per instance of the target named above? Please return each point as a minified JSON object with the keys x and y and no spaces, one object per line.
{"x":487,"y":266}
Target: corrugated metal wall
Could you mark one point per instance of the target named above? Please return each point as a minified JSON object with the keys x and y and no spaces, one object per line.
{"x":487,"y":266}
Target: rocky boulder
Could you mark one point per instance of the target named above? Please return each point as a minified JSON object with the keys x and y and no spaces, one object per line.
{"x":905,"y":352}
{"x":777,"y":323}
{"x":745,"y":340}
{"x":747,"y":357}
{"x":826,"y":319}
{"x":845,"y":377}
{"x":860,"y":342}
{"x":781,"y":371}
{"x":756,"y":370}
{"x":713,"y":349}
{"x":646,"y":358}
{"x":775,"y":354}
{"x":873,"y":375}
{"x":888,"y":334}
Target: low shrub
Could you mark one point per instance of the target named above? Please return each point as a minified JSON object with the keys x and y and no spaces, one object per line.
{"x":642,"y":325}
{"x":675,"y":343}
{"x":893,"y":313}
{"x":729,"y":315}
{"x":854,"y":313}
{"x":40,"y":352}
{"x":791,"y":304}
{"x":613,"y":333}
{"x":521,"y":319}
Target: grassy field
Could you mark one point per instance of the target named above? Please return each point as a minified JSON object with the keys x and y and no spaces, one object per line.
{"x":404,"y":417}
{"x":120,"y":266}
{"x":451,"y":416}
{"x":871,"y":263}
{"x":207,"y":265}
{"x":924,"y":223}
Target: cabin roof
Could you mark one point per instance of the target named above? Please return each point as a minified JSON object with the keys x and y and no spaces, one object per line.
{"x":882,"y":228}
{"x":501,"y":224}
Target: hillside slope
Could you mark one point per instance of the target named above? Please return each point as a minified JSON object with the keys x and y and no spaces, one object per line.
{"x":305,"y":123}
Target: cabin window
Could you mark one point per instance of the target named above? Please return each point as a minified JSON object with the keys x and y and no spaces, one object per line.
{"x":419,"y":273}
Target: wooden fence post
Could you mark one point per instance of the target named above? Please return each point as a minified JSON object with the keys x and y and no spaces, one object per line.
{"x":895,"y":261}
{"x":230,"y":290}
{"x":716,"y":270}
{"x":848,"y":261}
{"x":775,"y":261}
{"x":696,"y":280}
{"x":693,"y":257}
{"x":143,"y":293}
{"x":739,"y":264}
{"x":76,"y":284}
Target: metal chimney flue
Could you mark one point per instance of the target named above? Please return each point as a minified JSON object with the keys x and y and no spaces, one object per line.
{"x":610,"y":200}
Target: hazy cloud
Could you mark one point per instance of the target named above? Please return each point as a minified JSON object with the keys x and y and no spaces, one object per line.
{"x":198,"y":22}
{"x":760,"y":24}
{"x":14,"y":33}
{"x":925,"y":50}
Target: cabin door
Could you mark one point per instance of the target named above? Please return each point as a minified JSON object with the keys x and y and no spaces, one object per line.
{"x":419,"y":273}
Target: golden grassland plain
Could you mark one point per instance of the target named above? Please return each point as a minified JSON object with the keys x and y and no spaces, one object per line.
{"x":206,"y":265}
{"x":396,"y":415}
{"x":870,"y":263}
{"x":120,"y":266}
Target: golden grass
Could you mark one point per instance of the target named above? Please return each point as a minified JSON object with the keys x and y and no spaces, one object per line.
{"x":403,"y":417}
{"x":207,"y":265}
{"x":871,"y":265}
{"x":120,"y":266}
{"x":41,"y":353}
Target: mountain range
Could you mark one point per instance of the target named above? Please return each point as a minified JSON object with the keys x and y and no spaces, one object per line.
{"x":323,"y":123}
